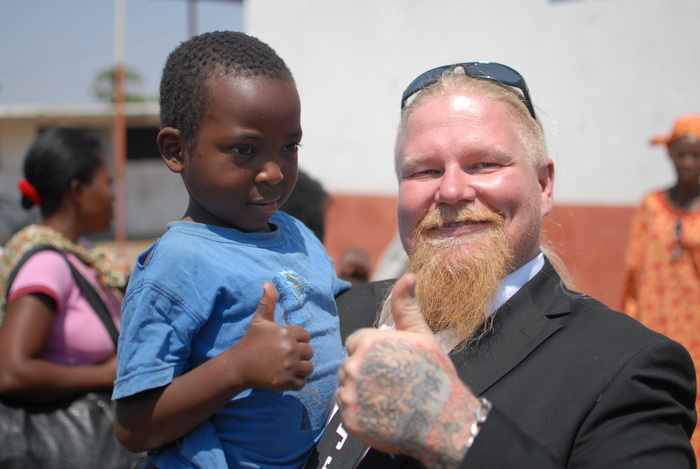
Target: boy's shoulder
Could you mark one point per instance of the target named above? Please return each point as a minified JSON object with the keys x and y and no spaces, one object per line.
{"x":184,"y":257}
{"x":182,"y":244}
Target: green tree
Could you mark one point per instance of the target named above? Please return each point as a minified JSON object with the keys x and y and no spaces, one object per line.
{"x":103,"y":86}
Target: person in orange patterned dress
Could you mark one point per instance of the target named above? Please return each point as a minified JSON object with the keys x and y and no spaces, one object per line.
{"x":662,"y":278}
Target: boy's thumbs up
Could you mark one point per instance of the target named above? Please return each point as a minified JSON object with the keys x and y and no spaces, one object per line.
{"x":405,"y":308}
{"x":274,"y":356}
{"x":266,"y":305}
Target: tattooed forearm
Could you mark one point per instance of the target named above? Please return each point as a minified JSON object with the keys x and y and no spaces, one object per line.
{"x":407,"y":399}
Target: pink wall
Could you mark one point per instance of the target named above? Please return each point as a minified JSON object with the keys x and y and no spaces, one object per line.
{"x":591,"y":241}
{"x":368,"y":222}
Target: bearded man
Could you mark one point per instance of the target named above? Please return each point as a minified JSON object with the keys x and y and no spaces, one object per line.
{"x":482,"y":357}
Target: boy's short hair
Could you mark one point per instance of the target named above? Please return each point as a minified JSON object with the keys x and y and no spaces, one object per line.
{"x":183,"y":85}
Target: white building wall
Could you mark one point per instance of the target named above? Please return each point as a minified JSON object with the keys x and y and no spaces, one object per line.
{"x":605,"y":76}
{"x":13,"y":138}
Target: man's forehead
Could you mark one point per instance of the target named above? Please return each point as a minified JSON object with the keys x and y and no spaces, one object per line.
{"x":460,"y":109}
{"x":471,"y":116}
{"x":462,"y":103}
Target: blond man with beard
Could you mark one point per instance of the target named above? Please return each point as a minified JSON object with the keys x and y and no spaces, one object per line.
{"x":483,"y":357}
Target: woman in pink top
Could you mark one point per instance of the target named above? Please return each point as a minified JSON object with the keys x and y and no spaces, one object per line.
{"x":52,"y":343}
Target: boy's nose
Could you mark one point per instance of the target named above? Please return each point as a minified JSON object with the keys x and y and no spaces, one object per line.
{"x":270,"y":173}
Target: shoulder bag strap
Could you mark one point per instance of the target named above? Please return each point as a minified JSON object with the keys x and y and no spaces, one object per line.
{"x":86,"y":287}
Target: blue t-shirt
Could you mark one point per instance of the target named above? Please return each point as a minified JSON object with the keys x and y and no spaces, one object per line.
{"x":194,"y":298}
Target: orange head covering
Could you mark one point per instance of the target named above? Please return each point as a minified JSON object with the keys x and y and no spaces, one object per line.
{"x":687,"y":124}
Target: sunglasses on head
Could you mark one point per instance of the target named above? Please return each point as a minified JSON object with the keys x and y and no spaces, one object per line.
{"x":499,"y":73}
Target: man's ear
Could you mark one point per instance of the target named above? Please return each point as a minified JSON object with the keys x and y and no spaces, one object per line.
{"x":545,"y":176}
{"x":172,"y":145}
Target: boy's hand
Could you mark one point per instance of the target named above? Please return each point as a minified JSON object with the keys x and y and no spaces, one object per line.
{"x":274,"y":357}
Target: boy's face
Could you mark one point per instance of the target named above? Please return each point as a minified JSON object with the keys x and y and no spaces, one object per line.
{"x":244,"y":164}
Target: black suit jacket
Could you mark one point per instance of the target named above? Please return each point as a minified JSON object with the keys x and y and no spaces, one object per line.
{"x":573,"y":383}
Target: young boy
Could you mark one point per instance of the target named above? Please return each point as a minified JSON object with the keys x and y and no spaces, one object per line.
{"x":207,"y":375}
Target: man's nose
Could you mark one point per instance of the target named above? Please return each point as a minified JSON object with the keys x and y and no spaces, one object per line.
{"x":270,"y":173}
{"x":455,"y":187}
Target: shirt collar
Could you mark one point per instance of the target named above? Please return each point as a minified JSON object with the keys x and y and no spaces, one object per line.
{"x":516,"y":280}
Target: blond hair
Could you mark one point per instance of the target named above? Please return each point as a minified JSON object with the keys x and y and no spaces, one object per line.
{"x":529,"y":130}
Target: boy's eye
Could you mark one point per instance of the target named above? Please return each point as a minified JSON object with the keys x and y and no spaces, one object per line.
{"x":243,"y":151}
{"x":292,"y":147}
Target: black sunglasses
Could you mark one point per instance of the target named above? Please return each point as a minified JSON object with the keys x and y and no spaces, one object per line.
{"x":493,"y":71}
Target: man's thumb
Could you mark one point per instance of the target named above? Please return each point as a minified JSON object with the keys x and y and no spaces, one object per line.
{"x":266,"y":305}
{"x":405,"y":308}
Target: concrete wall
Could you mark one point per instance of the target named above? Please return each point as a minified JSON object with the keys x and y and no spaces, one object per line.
{"x":154,"y":197}
{"x":13,"y":142}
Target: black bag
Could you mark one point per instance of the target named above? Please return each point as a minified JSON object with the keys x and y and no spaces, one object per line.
{"x":76,"y":434}
{"x":72,"y":434}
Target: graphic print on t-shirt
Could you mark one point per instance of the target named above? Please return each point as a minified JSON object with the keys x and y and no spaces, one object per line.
{"x":292,"y":295}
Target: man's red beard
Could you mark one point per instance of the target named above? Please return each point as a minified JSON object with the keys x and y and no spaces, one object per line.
{"x":457,"y":276}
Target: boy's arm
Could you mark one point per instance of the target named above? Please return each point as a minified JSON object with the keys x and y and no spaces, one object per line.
{"x":269,"y":356}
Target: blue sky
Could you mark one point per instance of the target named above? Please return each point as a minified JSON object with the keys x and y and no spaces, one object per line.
{"x":51,"y":50}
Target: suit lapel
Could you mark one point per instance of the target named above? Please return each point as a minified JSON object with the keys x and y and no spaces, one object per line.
{"x":358,"y":307}
{"x":522,"y":324}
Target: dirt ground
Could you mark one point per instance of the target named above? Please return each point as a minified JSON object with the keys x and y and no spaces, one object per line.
{"x":128,"y":250}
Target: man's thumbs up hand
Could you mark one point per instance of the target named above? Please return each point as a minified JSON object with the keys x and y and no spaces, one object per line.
{"x":405,"y":308}
{"x":399,"y":391}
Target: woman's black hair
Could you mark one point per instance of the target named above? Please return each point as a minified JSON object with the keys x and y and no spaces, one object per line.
{"x":58,"y":156}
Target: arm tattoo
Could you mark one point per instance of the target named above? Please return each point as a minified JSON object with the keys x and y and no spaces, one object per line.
{"x":405,"y":398}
